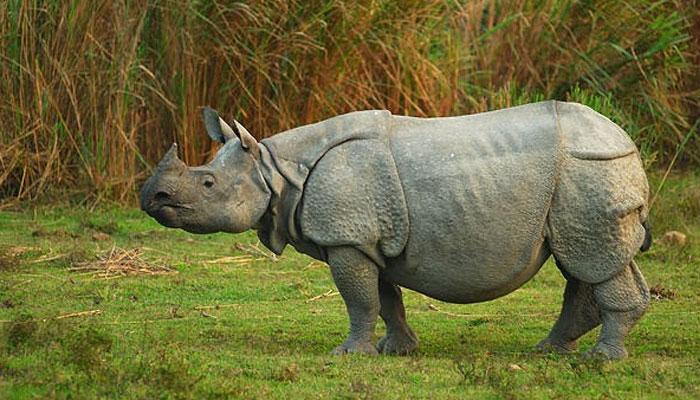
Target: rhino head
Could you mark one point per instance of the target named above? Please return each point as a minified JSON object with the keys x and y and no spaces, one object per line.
{"x":227,"y":195}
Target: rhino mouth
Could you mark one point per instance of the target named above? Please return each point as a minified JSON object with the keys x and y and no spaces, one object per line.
{"x":168,"y":214}
{"x":176,"y":206}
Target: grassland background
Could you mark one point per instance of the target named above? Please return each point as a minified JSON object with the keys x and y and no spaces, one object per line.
{"x":92,"y":92}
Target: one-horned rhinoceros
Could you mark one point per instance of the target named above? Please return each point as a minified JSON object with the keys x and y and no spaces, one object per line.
{"x":462,"y":209}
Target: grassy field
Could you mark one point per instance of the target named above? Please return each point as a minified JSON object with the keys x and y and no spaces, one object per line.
{"x":95,"y":91}
{"x":232,"y":321}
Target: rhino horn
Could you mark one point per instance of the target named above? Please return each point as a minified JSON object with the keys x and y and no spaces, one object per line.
{"x":170,"y":160}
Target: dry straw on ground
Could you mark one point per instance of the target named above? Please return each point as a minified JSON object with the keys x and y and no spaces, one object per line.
{"x":256,"y":251}
{"x":120,"y":262}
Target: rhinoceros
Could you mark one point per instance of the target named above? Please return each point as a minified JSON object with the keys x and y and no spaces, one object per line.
{"x":462,"y":209}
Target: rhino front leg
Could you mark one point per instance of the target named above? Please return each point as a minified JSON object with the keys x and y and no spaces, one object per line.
{"x":399,"y":338}
{"x":356,"y":277}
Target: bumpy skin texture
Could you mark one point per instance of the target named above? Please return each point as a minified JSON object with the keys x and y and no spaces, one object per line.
{"x":350,"y":200}
{"x":463,"y":209}
{"x":287,"y":161}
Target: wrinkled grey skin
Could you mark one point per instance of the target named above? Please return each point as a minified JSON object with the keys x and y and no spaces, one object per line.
{"x":462,"y":209}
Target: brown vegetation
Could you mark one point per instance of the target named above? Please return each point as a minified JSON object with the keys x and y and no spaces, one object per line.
{"x":93,"y":91}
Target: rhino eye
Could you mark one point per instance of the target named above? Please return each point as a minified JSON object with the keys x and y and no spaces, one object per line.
{"x":207,"y":180}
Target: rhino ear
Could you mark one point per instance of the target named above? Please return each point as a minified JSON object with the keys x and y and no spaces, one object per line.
{"x":248,"y":142}
{"x":217,"y":128}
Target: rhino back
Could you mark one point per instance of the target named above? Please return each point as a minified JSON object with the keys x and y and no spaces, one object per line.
{"x":477,"y":189}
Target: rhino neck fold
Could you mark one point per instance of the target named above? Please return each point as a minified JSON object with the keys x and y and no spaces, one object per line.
{"x":286,"y":161}
{"x":278,"y":226}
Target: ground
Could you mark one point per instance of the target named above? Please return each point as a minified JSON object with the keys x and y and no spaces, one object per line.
{"x":231,"y":321}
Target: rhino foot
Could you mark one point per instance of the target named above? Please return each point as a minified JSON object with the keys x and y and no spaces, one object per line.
{"x":548,"y":345}
{"x":606,"y":351}
{"x":397,"y":344}
{"x":349,"y":347}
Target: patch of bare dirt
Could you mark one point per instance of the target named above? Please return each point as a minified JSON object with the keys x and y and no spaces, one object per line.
{"x":659,"y":292}
{"x":55,"y":233}
{"x":675,"y":238}
{"x":10,"y":257}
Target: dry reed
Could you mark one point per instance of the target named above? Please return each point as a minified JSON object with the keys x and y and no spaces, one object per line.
{"x":93,"y":91}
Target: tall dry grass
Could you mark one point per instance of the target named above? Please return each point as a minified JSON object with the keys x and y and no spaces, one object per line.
{"x":92,"y":92}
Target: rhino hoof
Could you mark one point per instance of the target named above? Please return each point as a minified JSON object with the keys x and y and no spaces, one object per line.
{"x":548,"y":345}
{"x":399,"y":345}
{"x":606,"y":351}
{"x":355,"y":347}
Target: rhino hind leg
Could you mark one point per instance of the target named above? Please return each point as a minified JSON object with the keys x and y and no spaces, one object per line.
{"x":622,"y":300}
{"x":357,"y":279}
{"x":399,"y":338}
{"x":580,"y":313}
{"x":595,"y":227}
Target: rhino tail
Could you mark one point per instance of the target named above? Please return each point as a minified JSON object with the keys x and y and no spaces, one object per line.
{"x":646,"y":244}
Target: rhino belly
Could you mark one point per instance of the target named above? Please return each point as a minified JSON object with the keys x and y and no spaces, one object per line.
{"x":478,"y":189}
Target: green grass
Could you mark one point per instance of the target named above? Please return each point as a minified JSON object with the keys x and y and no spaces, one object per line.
{"x":151,"y":338}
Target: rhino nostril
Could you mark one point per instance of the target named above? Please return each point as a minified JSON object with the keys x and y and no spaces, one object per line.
{"x":162,"y":196}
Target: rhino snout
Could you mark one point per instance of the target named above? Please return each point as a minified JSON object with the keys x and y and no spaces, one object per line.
{"x":145,"y":198}
{"x":155,"y":196}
